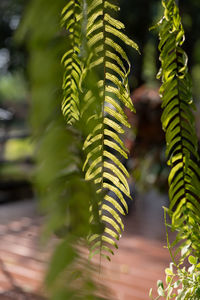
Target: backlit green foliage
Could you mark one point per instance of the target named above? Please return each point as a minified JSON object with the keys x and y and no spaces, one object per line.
{"x":183,"y":158}
{"x":58,"y":163}
{"x":71,"y":21}
{"x":109,"y":60}
{"x":178,"y":123}
{"x":104,"y":92}
{"x":85,"y":197}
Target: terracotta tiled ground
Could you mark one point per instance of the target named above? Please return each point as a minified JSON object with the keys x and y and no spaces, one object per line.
{"x":22,"y":263}
{"x":135,"y":268}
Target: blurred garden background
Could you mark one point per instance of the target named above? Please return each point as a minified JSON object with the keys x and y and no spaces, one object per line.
{"x":20,"y":220}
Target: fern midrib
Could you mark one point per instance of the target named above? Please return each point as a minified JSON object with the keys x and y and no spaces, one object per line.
{"x":73,"y":47}
{"x":104,"y":87}
{"x":103,"y":127}
{"x":181,"y":128}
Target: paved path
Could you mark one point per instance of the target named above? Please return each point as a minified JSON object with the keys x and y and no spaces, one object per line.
{"x":135,"y":268}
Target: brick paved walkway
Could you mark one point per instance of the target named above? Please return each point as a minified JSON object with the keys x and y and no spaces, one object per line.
{"x":134,"y":269}
{"x":22,"y":263}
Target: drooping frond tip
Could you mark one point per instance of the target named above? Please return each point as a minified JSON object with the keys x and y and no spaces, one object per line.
{"x":71,"y":21}
{"x":178,"y":123}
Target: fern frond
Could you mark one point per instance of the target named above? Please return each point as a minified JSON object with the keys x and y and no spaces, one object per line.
{"x":71,"y":21}
{"x":178,"y":123}
{"x":104,"y":147}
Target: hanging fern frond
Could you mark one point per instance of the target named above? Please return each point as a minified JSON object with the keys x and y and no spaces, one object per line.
{"x":71,"y":20}
{"x":178,"y":123}
{"x":104,"y":147}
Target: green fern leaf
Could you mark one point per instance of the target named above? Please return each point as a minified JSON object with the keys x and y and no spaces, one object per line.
{"x":104,"y":147}
{"x":102,"y":104}
{"x":71,"y":61}
{"x":178,"y":122}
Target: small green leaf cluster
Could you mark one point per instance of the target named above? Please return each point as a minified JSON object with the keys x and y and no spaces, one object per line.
{"x":181,"y":283}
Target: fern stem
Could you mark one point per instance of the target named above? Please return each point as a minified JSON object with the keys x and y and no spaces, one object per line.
{"x":168,"y":242}
{"x":181,"y":126}
{"x":181,"y":130}
{"x":73,"y":44}
{"x":103,"y":103}
{"x":104,"y":84}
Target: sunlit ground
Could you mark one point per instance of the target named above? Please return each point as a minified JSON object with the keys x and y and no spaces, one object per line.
{"x":134,"y":269}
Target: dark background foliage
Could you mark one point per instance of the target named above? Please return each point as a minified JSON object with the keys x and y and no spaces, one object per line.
{"x":10,"y":15}
{"x":138,"y":16}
